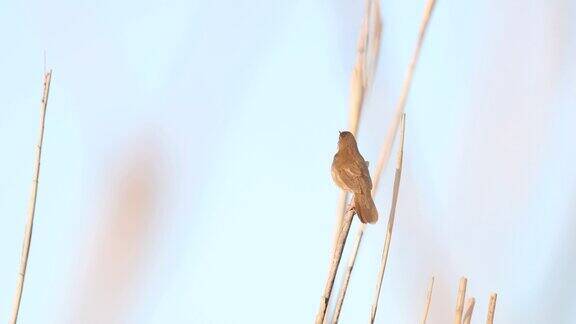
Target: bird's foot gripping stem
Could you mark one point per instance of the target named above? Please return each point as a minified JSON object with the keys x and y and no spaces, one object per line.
{"x":350,"y":208}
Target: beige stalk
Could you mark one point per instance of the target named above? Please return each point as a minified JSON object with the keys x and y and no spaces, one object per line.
{"x":31,"y":205}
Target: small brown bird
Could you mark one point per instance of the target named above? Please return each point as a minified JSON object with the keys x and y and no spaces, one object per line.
{"x":350,"y":172}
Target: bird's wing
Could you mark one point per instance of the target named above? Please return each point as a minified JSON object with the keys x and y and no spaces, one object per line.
{"x":364,"y":175}
{"x":350,"y":176}
{"x":356,"y":176}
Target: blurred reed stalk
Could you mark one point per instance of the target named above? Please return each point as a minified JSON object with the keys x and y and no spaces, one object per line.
{"x":367,"y":52}
{"x":428,"y":301}
{"x":388,"y":239}
{"x":388,"y":142}
{"x":122,"y":243}
{"x":32,"y":204}
{"x":491,"y":308}
{"x":469,"y":309}
{"x":460,"y":300}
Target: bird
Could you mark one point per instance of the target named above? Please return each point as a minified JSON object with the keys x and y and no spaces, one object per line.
{"x":350,"y":173}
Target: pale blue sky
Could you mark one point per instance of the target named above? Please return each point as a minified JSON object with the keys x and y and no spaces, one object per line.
{"x":237,"y":106}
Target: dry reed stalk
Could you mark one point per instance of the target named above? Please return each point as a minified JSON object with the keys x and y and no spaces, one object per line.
{"x":32,"y":204}
{"x":334,"y":267}
{"x":469,"y":310}
{"x":362,"y":76}
{"x":340,"y":211}
{"x":121,"y":247}
{"x":372,"y":47}
{"x":460,"y":301}
{"x":346,"y":279}
{"x":388,"y":142}
{"x":428,"y":301}
{"x":392,"y":130}
{"x":388,"y":239}
{"x":491,"y":308}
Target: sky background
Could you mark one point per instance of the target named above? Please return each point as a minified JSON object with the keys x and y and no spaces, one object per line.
{"x":186,"y":167}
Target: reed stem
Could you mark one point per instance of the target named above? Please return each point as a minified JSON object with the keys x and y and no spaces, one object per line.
{"x":460,"y":301}
{"x":388,"y":239}
{"x":469,"y":309}
{"x":31,"y":205}
{"x":491,"y":308}
{"x":428,"y":301}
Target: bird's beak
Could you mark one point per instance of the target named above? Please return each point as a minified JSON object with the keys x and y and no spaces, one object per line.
{"x":340,"y":132}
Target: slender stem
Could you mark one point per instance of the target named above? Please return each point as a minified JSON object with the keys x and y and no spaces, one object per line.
{"x":346,"y":279}
{"x":428,"y":301}
{"x":348,"y":272}
{"x":388,"y":239}
{"x":340,"y":211}
{"x":491,"y":308}
{"x":469,"y":310}
{"x":334,"y":267}
{"x":460,"y":301}
{"x":400,"y":107}
{"x":32,"y":204}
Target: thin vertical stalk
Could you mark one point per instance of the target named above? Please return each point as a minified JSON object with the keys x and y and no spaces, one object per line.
{"x":469,"y":310}
{"x":428,"y":301}
{"x":32,"y":204}
{"x":346,"y":279}
{"x":388,"y":239}
{"x":400,"y":107}
{"x":324,"y":301}
{"x":460,"y":301}
{"x":491,"y":308}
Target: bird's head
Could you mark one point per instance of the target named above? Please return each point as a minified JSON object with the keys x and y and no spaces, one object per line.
{"x":346,"y":139}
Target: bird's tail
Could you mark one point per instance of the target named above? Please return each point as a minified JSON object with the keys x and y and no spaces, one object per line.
{"x":365,"y":208}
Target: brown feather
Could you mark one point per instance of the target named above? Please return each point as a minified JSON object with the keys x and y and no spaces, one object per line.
{"x":365,"y":208}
